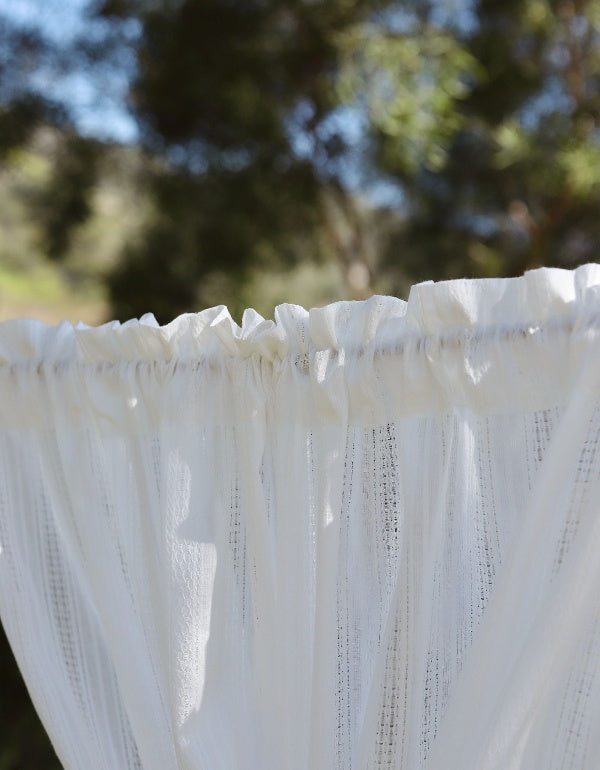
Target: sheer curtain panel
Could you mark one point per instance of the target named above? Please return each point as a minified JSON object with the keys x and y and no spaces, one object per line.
{"x":364,"y":536}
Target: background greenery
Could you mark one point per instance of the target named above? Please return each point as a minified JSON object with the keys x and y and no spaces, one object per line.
{"x":284,"y":151}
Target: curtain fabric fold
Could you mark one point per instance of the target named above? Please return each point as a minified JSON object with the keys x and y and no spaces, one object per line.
{"x":364,"y":536}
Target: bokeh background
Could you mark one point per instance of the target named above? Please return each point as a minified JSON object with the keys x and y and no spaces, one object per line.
{"x":170,"y":155}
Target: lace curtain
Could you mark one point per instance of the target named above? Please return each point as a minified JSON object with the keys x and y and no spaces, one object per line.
{"x":361,"y":536}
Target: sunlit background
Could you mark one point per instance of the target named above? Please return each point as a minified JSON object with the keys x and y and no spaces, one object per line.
{"x":170,"y":155}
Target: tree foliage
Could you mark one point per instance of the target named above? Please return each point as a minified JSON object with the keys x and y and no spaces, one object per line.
{"x":263,"y":125}
{"x":515,"y":182}
{"x":237,"y":99}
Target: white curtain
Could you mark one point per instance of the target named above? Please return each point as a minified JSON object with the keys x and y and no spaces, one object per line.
{"x":361,"y":536}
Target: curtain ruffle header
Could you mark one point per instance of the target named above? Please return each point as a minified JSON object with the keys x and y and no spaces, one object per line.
{"x":446,"y":307}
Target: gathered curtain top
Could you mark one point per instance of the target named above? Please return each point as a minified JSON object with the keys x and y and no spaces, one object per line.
{"x":433,"y":309}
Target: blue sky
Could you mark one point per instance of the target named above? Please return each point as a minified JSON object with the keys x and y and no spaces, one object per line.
{"x":98,"y":109}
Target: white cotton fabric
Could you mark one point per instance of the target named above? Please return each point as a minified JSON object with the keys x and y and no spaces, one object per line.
{"x":361,"y":536}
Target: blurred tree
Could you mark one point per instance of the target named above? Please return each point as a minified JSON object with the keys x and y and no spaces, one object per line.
{"x":22,"y":107}
{"x":64,"y":202}
{"x":260,"y":121}
{"x":486,"y":123}
{"x":512,"y":180}
{"x":237,"y":99}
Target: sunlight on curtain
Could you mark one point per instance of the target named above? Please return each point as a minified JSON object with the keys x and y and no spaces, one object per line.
{"x":361,"y":536}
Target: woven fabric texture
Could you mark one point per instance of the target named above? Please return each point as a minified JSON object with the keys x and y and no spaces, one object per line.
{"x":364,"y":536}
